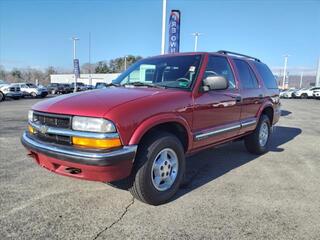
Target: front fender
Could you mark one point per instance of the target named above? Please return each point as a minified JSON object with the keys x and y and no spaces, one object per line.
{"x":149,"y":123}
{"x":276,"y":110}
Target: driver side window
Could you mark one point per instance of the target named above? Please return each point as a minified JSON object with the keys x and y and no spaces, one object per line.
{"x":219,"y":66}
{"x":145,"y":73}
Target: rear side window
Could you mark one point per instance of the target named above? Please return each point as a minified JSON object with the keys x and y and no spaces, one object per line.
{"x":266,"y":75}
{"x":247,"y":78}
{"x":220,"y":66}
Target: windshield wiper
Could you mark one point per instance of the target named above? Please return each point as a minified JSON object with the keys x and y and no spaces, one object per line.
{"x":141,"y":84}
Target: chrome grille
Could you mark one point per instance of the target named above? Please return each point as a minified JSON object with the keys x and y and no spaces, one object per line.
{"x":14,"y":89}
{"x":52,"y":138}
{"x":52,"y":120}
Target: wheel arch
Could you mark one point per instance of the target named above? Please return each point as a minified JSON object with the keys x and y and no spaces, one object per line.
{"x":268,"y":110}
{"x":172,"y":124}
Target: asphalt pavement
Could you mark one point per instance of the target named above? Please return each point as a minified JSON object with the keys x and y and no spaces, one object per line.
{"x":229,"y":193}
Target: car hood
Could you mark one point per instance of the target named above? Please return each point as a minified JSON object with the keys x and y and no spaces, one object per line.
{"x":94,"y":103}
{"x":4,"y":85}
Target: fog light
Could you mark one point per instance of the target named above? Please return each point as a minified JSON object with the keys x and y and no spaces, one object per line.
{"x":31,"y":129}
{"x":96,"y":143}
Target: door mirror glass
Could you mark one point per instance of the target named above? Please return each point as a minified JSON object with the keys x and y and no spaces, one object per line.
{"x":215,"y":83}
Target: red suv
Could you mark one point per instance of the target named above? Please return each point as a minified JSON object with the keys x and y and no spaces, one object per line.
{"x":138,"y":131}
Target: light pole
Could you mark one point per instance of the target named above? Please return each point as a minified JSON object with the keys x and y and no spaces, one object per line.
{"x":74,"y":39}
{"x":285,"y":70}
{"x":318,"y":74}
{"x":125,"y":62}
{"x":301,"y":79}
{"x":90,"y":79}
{"x":196,"y":36}
{"x":163,"y":36}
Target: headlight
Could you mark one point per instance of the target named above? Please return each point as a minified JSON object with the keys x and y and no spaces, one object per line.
{"x":30,"y":116}
{"x":89,"y":124}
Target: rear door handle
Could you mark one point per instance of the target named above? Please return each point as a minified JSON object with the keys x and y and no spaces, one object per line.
{"x":238,"y":98}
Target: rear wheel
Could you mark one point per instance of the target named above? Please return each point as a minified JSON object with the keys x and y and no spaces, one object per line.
{"x":258,"y":141}
{"x":2,"y":97}
{"x":158,"y":170}
{"x":304,"y":96}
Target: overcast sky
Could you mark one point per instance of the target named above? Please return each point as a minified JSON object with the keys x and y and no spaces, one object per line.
{"x":37,"y":33}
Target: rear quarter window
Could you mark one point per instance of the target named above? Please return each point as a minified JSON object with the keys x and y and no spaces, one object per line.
{"x":266,"y":75}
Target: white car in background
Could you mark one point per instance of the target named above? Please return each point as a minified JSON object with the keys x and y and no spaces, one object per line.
{"x":30,"y":89}
{"x":9,"y":91}
{"x":316,"y":94}
{"x":305,"y":93}
{"x":287,"y":93}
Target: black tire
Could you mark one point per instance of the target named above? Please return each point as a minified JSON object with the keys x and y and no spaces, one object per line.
{"x":304,"y":96}
{"x":142,"y":187}
{"x":2,"y":97}
{"x":33,"y":94}
{"x":252,"y":141}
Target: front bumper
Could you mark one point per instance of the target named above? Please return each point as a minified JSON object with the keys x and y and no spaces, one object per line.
{"x":42,"y":93}
{"x":104,"y":166}
{"x":13,"y":94}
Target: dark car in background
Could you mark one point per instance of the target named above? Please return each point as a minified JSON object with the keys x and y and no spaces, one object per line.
{"x":66,"y":88}
{"x":55,"y":88}
{"x":80,"y":86}
{"x":100,"y":85}
{"x":89,"y":87}
{"x":59,"y":88}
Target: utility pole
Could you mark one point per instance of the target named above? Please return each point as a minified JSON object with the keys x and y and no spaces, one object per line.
{"x":318,"y":74}
{"x":301,"y":79}
{"x":125,"y":62}
{"x":163,"y":37}
{"x":90,"y":79}
{"x":285,"y":70}
{"x":75,"y":39}
{"x":196,"y":36}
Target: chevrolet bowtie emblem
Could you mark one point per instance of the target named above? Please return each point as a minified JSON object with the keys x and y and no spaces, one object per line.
{"x":43,"y":129}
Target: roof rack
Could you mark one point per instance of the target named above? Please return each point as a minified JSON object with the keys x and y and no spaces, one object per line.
{"x":238,"y":54}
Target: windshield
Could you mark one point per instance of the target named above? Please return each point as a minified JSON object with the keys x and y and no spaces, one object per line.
{"x":31,"y":85}
{"x":171,"y":72}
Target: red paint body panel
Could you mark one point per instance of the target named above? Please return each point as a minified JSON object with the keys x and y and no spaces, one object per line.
{"x":137,"y":110}
{"x":93,"y":173}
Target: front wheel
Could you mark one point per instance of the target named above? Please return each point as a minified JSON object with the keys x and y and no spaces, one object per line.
{"x":159,"y":169}
{"x":258,"y":141}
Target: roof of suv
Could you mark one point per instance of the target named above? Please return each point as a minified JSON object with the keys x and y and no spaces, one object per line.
{"x":220,"y":52}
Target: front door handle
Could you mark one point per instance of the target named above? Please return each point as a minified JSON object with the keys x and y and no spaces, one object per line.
{"x":238,"y":98}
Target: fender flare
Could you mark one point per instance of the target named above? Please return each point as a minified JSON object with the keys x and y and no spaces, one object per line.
{"x":264,"y":106}
{"x":149,"y":123}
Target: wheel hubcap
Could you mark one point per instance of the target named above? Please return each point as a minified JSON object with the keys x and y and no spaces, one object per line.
{"x":263,"y":134}
{"x":164,"y":169}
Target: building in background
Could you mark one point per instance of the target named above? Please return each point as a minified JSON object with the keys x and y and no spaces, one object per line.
{"x":84,"y":78}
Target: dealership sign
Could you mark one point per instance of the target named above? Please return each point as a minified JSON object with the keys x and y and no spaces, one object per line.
{"x":76,"y":68}
{"x":174,"y":31}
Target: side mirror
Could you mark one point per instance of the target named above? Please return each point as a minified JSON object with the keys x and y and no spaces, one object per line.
{"x":215,"y":83}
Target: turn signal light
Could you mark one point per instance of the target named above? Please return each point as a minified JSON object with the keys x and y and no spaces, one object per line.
{"x":96,"y":143}
{"x":31,"y":129}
